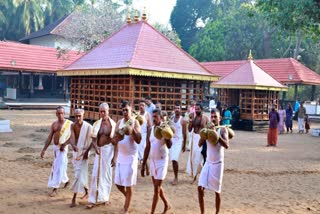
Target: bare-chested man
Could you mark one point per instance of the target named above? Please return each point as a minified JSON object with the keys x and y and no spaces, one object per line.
{"x":60,"y":132}
{"x":179,"y":140}
{"x":102,"y":141}
{"x":159,"y":158}
{"x":127,"y":159}
{"x":80,"y":141}
{"x":212,"y":172}
{"x":195,"y":157}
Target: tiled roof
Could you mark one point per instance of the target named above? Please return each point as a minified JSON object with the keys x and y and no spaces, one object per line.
{"x":17,"y":56}
{"x":284,"y":70}
{"x":139,"y":46}
{"x":51,"y":29}
{"x":250,"y":76}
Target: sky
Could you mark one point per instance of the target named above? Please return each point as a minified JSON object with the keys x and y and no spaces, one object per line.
{"x":157,"y":10}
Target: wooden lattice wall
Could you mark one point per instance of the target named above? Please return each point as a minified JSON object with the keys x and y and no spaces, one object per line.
{"x":253,"y":104}
{"x":87,"y":92}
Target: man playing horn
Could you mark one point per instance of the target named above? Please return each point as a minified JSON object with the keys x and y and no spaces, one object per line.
{"x":159,"y":158}
{"x":60,"y":132}
{"x":195,"y":157}
{"x":80,"y":139}
{"x":178,"y":141}
{"x":101,"y":180}
{"x":128,"y":136}
{"x":212,"y":171}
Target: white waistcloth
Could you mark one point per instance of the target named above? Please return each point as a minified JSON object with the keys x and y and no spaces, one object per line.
{"x":126,"y":174}
{"x":211,"y":176}
{"x":81,"y":166}
{"x":195,"y":156}
{"x":58,"y":173}
{"x":159,"y":168}
{"x":101,"y":180}
{"x":142,"y":145}
{"x":177,"y":141}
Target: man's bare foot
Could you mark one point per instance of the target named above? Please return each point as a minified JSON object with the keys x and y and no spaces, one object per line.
{"x":66,"y":184}
{"x":174,"y":182}
{"x":166,"y":208}
{"x":90,"y":206}
{"x":53,"y":193}
{"x":73,"y":204}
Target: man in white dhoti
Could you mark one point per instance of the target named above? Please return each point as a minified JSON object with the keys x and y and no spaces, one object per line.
{"x":178,"y":141}
{"x":212,"y":171}
{"x":104,"y":145}
{"x":144,"y":128}
{"x":60,"y":132}
{"x":159,"y":160}
{"x":195,"y":157}
{"x":127,"y":158}
{"x":80,"y":139}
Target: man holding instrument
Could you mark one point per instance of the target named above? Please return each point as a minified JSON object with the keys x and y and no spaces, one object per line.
{"x":212,"y":171}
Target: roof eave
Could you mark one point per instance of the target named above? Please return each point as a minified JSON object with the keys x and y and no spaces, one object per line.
{"x":136,"y":72}
{"x":253,"y":87}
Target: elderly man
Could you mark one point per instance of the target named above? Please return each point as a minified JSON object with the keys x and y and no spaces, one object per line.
{"x":127,"y":159}
{"x":101,"y":180}
{"x":178,"y":141}
{"x":195,"y":157}
{"x":212,"y":172}
{"x":159,"y":158}
{"x":60,"y":132}
{"x":80,"y":140}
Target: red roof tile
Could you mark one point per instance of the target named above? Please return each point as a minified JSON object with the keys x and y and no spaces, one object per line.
{"x":140,"y":46}
{"x":249,"y":75}
{"x":17,"y":56}
{"x":284,"y":70}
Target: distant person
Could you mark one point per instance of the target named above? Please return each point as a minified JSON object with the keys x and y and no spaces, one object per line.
{"x":226,"y":115}
{"x":158,"y":105}
{"x":212,"y":104}
{"x":296,"y":106}
{"x":150,"y":106}
{"x":282,"y":116}
{"x":273,"y":127}
{"x":289,"y":114}
{"x":307,"y":124}
{"x":301,"y":117}
{"x":219,"y":107}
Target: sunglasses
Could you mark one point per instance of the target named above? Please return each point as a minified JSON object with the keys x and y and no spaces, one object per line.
{"x":125,"y":109}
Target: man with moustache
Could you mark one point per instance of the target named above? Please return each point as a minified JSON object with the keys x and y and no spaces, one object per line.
{"x":80,"y":140}
{"x":147,"y":123}
{"x":178,"y":141}
{"x":105,"y":148}
{"x":159,"y":157}
{"x":195,"y":158}
{"x":60,"y":132}
{"x":212,"y":172}
{"x":127,"y":158}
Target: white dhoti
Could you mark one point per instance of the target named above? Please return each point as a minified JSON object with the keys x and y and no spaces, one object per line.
{"x":101,"y":180}
{"x":159,"y":168}
{"x":175,"y":149}
{"x":142,"y":145}
{"x":58,"y":173}
{"x":195,"y":156}
{"x":81,"y":166}
{"x":80,"y":174}
{"x":211,"y":176}
{"x":126,"y":174}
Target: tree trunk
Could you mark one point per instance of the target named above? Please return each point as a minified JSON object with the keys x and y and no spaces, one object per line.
{"x":267,"y":44}
{"x":298,"y":45}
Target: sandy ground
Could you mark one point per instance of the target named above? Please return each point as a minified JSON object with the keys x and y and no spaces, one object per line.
{"x":257,"y":179}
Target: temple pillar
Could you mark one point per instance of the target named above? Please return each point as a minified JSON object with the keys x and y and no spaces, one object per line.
{"x":31,"y":92}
